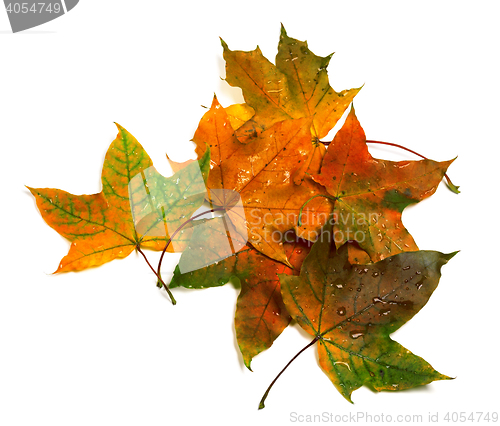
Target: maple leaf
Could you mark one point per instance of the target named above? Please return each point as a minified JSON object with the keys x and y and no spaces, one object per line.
{"x":260,"y":313}
{"x":137,"y":207}
{"x":297,"y":86}
{"x":352,"y":309}
{"x":370,"y":194}
{"x":262,"y":172}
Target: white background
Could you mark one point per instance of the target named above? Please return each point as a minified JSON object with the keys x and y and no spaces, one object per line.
{"x":104,"y":346}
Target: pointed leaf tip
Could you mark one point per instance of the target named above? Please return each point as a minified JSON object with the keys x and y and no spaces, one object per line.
{"x":120,"y":127}
{"x":223,"y":43}
{"x":451,"y":255}
{"x":215,"y":101}
{"x":283,"y":31}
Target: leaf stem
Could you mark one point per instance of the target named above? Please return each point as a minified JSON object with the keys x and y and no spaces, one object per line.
{"x":159,"y":278}
{"x":261,"y":403}
{"x":299,"y":220}
{"x":158,"y":271}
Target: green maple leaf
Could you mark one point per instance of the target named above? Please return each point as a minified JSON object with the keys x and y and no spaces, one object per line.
{"x":296,"y":87}
{"x":351,"y":310}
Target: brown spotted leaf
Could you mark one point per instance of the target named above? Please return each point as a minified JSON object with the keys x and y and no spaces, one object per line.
{"x":352,"y":309}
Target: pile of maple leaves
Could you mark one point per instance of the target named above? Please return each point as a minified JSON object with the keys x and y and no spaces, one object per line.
{"x":312,"y":229}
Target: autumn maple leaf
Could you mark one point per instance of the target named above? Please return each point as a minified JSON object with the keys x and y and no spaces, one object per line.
{"x":351,"y":310}
{"x":262,"y":172}
{"x":370,"y":194}
{"x":296,"y":87}
{"x":136,"y":208}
